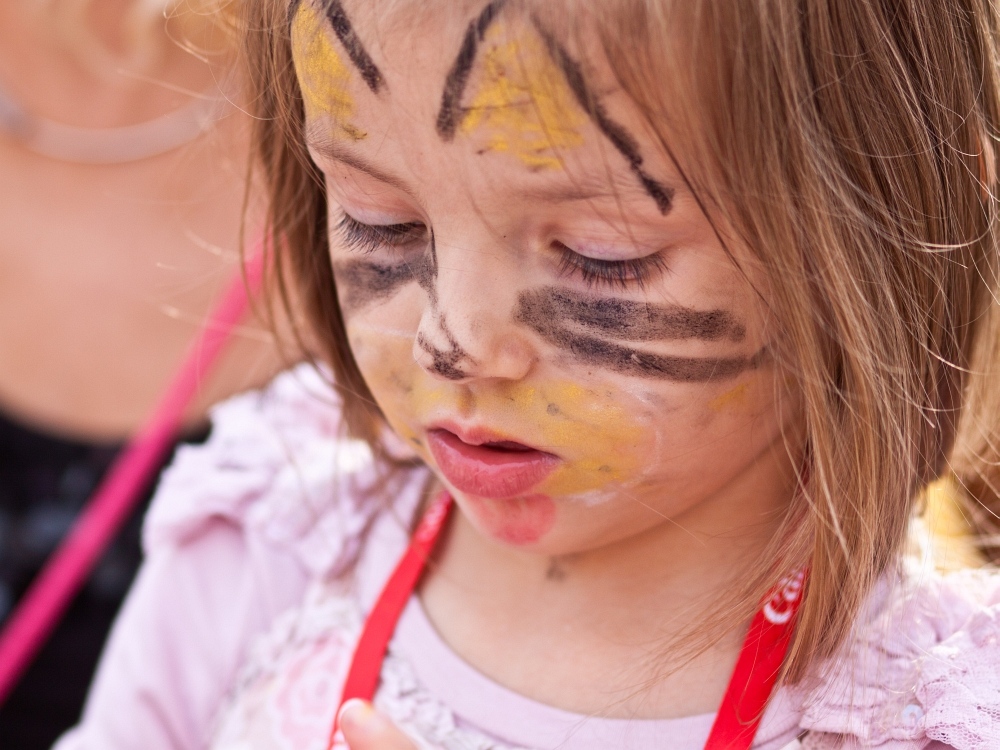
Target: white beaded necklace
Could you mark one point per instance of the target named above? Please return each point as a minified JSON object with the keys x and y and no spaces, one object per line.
{"x":115,"y":145}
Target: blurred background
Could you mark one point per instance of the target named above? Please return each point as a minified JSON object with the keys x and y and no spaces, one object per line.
{"x":122,"y":186}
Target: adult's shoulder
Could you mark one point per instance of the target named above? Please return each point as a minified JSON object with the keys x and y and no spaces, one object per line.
{"x":922,"y":668}
{"x":279,"y":466}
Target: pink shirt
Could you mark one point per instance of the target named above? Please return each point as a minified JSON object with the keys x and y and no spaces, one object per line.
{"x":267,"y":545}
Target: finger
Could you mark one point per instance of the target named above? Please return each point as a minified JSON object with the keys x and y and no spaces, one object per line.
{"x":365,"y":728}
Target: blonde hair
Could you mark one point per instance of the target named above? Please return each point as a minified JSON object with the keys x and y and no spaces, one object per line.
{"x":849,"y":146}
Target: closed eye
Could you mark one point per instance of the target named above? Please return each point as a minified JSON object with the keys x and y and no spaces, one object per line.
{"x":616,"y":274}
{"x":367,"y":238}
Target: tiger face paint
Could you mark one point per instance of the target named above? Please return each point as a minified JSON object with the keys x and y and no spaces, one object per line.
{"x":538,"y":304}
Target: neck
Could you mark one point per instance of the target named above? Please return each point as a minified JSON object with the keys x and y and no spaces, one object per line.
{"x":100,"y":68}
{"x":640,"y":602}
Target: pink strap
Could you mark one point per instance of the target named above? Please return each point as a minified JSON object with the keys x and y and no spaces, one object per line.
{"x":40,"y":608}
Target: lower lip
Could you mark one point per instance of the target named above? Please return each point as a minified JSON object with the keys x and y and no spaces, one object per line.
{"x":488,"y":472}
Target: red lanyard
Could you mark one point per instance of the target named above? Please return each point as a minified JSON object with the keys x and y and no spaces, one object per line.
{"x":742,"y":706}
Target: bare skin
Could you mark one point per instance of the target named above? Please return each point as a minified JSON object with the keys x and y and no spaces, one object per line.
{"x":490,"y":271}
{"x":107,"y":271}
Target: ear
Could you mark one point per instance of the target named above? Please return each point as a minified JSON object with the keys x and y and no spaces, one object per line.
{"x":365,"y":729}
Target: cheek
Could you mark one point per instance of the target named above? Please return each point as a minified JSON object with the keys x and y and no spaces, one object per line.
{"x":604,"y":434}
{"x":381,"y":340}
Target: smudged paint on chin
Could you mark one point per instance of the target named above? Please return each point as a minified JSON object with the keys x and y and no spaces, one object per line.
{"x":324,"y":77}
{"x":516,"y":520}
{"x":521,"y":102}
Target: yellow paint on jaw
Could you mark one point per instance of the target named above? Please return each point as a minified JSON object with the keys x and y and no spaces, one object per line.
{"x":522,"y":103}
{"x":324,"y":77}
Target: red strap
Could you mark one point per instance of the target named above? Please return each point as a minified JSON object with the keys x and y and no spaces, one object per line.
{"x":366,"y":664}
{"x":757,"y":668}
{"x":750,"y":687}
{"x":42,"y":605}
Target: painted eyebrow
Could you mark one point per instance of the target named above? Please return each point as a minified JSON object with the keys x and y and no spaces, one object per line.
{"x":619,"y":136}
{"x":451,"y":113}
{"x":356,"y":51}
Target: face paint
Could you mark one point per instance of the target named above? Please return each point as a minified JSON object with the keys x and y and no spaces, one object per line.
{"x":627,"y":320}
{"x":521,"y":104}
{"x":538,"y":315}
{"x":444,"y":362}
{"x":362,"y":282}
{"x":620,"y":138}
{"x":451,"y":111}
{"x":352,"y":44}
{"x":599,"y":437}
{"x":323,"y":76}
{"x":731,"y":398}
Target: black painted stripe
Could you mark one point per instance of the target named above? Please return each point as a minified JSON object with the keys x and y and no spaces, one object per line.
{"x":451,"y":113}
{"x":352,"y":44}
{"x":623,"y":141}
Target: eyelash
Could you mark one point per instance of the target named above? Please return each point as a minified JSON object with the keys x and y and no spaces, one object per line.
{"x":367,"y":238}
{"x":618,"y":274}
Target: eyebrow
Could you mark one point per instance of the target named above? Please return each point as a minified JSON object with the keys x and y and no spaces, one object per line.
{"x":583,"y":190}
{"x":356,"y":51}
{"x":333,"y":151}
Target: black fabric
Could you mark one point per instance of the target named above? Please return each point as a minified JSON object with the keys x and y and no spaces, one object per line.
{"x":45,"y":480}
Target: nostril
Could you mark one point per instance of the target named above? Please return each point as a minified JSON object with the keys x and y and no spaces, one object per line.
{"x":443,"y":362}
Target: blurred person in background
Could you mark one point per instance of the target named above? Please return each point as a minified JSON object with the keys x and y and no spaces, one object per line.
{"x":122,"y":174}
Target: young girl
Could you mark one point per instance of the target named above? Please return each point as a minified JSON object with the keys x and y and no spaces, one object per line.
{"x":681,"y":304}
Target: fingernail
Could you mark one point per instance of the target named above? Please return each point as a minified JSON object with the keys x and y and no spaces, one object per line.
{"x":356,"y":714}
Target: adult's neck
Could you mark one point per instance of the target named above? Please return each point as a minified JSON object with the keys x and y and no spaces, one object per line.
{"x":90,"y":75}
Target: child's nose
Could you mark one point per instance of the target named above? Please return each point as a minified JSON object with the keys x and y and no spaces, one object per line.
{"x":467,"y":331}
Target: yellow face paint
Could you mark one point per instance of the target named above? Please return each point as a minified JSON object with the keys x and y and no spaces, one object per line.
{"x":522,"y":103}
{"x":599,"y":439}
{"x":731,"y":398}
{"x":324,"y":77}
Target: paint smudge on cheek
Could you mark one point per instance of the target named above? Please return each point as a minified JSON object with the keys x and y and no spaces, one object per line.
{"x":323,"y":75}
{"x":601,"y":439}
{"x":361,"y":282}
{"x":517,"y":521}
{"x":569,"y":332}
{"x":629,"y":320}
{"x":520,"y":103}
{"x":730,"y":399}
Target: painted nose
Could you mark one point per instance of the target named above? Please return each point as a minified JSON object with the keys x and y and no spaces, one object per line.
{"x":467,"y":331}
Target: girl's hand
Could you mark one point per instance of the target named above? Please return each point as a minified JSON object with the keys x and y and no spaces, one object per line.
{"x":365,"y":729}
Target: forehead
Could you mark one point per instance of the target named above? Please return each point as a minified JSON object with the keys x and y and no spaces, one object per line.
{"x":490,"y":77}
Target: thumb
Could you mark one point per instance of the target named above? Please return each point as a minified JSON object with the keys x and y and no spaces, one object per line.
{"x":366,"y":729}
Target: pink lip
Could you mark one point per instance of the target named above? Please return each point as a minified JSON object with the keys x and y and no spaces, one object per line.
{"x":486,"y":465}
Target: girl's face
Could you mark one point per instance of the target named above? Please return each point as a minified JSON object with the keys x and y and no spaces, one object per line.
{"x":537,"y":302}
